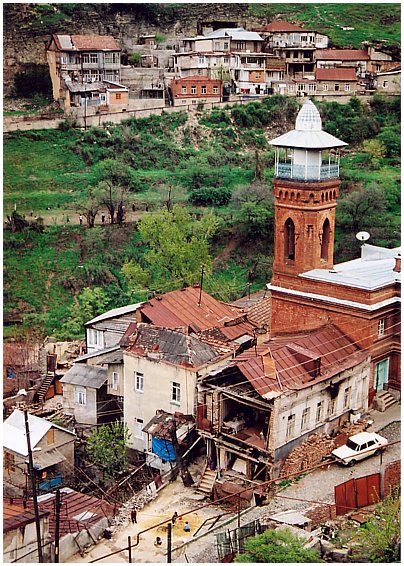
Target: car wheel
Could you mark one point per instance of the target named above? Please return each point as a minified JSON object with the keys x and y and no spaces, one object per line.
{"x":378,"y":452}
{"x":352,"y":463}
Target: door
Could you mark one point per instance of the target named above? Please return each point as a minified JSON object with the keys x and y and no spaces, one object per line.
{"x":381,"y":374}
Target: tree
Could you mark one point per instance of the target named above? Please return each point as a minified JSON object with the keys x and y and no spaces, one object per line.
{"x":135,"y":59}
{"x":277,"y":546}
{"x":380,"y":538}
{"x":178,"y":246}
{"x":89,"y":208}
{"x":362,"y":208}
{"x":106,"y":447}
{"x":115,"y":180}
{"x":90,"y":303}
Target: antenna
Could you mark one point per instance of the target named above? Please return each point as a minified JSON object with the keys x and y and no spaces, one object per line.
{"x":362,"y":236}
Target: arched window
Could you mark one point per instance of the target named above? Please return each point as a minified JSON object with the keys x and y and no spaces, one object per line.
{"x":325,"y":240}
{"x":289,"y":239}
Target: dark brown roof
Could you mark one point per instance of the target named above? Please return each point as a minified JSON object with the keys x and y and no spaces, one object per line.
{"x":338,"y":74}
{"x":286,"y":363}
{"x":98,"y":42}
{"x":181,"y":309}
{"x":16,"y":515}
{"x":161,"y":425}
{"x":342,"y":55}
{"x":257,"y":307}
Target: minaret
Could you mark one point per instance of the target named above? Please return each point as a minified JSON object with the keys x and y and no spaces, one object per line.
{"x":306,"y":186}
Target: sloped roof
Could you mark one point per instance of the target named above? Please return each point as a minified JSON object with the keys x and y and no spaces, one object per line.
{"x":257,"y":307}
{"x":16,"y":515}
{"x":342,"y":55}
{"x":174,"y":346}
{"x":181,"y":309}
{"x":235,"y":34}
{"x":115,"y":313}
{"x":14,"y":436}
{"x":279,"y":368}
{"x":161,"y":424}
{"x":86,"y":375}
{"x":85,"y":42}
{"x":280,"y":26}
{"x":337,"y":74}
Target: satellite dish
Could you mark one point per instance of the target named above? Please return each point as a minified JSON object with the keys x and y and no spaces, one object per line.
{"x":362,"y":236}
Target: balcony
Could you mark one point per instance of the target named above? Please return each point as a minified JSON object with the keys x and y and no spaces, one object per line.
{"x":307,"y":173}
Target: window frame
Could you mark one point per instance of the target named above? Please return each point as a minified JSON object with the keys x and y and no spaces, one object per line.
{"x":80,"y":396}
{"x":138,"y":425}
{"x":319,"y":411}
{"x":176,"y":392}
{"x":139,"y":381}
{"x":183,"y":89}
{"x":193,"y":89}
{"x":347,"y":397}
{"x":305,"y":419}
{"x":381,"y":327}
{"x":115,"y":380}
{"x":290,"y":427}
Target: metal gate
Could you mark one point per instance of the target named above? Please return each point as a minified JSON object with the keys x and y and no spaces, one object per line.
{"x":357,"y":492}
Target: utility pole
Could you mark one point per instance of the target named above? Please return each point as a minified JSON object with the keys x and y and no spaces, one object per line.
{"x":130,"y":549}
{"x":58,"y":506}
{"x":33,"y":484}
{"x":200,"y":287}
{"x":169,"y":542}
{"x":185,"y":475}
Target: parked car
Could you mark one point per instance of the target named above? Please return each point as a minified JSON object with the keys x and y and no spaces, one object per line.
{"x":358,"y":447}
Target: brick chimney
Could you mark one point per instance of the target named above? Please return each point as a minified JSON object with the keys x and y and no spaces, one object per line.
{"x":397,"y":266}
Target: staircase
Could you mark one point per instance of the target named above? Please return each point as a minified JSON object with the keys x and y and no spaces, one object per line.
{"x":207,"y":480}
{"x":384,"y":400}
{"x":43,"y":388}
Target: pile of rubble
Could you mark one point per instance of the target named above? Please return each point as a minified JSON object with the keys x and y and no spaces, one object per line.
{"x":310,"y":453}
{"x":138,"y":501}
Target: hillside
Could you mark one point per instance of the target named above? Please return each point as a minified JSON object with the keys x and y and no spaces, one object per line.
{"x":28,"y":27}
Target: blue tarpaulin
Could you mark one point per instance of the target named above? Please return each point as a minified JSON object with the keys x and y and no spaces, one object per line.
{"x":163,"y":448}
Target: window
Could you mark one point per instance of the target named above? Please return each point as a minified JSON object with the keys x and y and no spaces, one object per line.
{"x":80,"y":395}
{"x":347,"y":87}
{"x":115,"y":380}
{"x":138,"y":428}
{"x":201,"y":60}
{"x":226,"y":60}
{"x":240,"y":45}
{"x":381,"y":326}
{"x":312,"y":87}
{"x":289,"y":239}
{"x":217,"y":45}
{"x":139,"y":381}
{"x":325,"y":240}
{"x":301,"y":87}
{"x":291,"y":426}
{"x":347,"y":397}
{"x":305,"y":418}
{"x":378,"y":67}
{"x":50,"y":436}
{"x":385,"y":84}
{"x":325,"y":88}
{"x":184,"y":89}
{"x":336,"y":87}
{"x":193,"y":89}
{"x":203,"y":89}
{"x":332,"y":406}
{"x":118,"y":96}
{"x":95,"y":337}
{"x":9,"y":461}
{"x":93,"y":58}
{"x":111,"y":57}
{"x":215,"y":90}
{"x":319,"y":411}
{"x":86,"y":57}
{"x":175,"y":392}
{"x":226,"y":45}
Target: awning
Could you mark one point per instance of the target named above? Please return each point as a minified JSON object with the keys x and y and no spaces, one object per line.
{"x":47,"y":459}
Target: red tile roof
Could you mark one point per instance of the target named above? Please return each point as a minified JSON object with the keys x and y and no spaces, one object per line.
{"x":280,"y":26}
{"x":181,"y":309}
{"x":287,"y":361}
{"x":257,"y":308}
{"x":97,"y":42}
{"x":342,"y":55}
{"x":338,"y":74}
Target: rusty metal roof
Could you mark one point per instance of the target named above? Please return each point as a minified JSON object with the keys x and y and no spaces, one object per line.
{"x":342,"y":55}
{"x":338,"y":74}
{"x":257,"y":307}
{"x":97,"y":42}
{"x":182,"y":309}
{"x":280,"y":368}
{"x":16,"y":514}
{"x":161,"y":424}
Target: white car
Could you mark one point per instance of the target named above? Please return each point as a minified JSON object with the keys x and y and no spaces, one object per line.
{"x":358,"y":447}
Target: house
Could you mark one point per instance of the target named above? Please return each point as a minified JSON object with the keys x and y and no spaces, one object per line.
{"x":53,"y":453}
{"x":333,"y":58}
{"x":85,"y":71}
{"x":362,"y":296}
{"x":269,"y":399}
{"x":161,"y":370}
{"x":19,"y":533}
{"x":107,"y":329}
{"x":389,"y":82}
{"x":196,"y":89}
{"x":87,"y":391}
{"x":337,"y":81}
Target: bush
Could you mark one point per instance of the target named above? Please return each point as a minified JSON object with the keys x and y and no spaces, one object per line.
{"x":210,"y":196}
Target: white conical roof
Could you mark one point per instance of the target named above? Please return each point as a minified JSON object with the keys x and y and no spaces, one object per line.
{"x":308,"y":132}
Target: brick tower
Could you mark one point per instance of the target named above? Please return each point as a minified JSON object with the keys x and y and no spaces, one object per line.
{"x":306,"y":187}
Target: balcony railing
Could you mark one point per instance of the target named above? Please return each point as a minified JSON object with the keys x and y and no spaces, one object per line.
{"x":307,"y":173}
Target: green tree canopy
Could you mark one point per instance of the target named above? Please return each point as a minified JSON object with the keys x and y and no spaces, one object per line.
{"x":106,"y":447}
{"x":277,"y":546}
{"x":90,"y":303}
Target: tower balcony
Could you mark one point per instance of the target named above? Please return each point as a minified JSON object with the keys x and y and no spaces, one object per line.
{"x":304,"y":172}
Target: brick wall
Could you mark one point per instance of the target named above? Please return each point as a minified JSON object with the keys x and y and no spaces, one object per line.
{"x":391,"y":476}
{"x":320,"y":514}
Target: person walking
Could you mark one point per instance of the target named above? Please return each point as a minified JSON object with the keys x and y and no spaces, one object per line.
{"x":81,"y":219}
{"x":133,"y":516}
{"x":174,"y":517}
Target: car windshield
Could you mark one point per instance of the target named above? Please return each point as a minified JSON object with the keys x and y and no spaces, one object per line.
{"x":352,"y":445}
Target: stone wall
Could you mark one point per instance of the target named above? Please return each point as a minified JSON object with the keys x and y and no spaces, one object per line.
{"x":320,"y":514}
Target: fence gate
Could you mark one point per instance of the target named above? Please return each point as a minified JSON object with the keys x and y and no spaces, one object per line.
{"x":357,"y":492}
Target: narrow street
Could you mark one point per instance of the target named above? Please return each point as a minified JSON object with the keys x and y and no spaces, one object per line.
{"x":317,"y":486}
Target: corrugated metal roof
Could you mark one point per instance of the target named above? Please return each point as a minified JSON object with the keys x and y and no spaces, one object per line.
{"x":98,"y":353}
{"x":14,"y":437}
{"x":182,"y":309}
{"x":235,"y":34}
{"x":114,"y":313}
{"x":257,"y":307}
{"x":342,"y":55}
{"x":16,"y":515}
{"x":161,"y":424}
{"x":86,"y":375}
{"x":337,"y":74}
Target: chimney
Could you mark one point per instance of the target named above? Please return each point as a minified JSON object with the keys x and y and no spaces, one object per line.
{"x":397,"y":266}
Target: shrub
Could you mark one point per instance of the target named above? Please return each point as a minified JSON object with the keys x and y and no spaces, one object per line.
{"x":210,"y":196}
